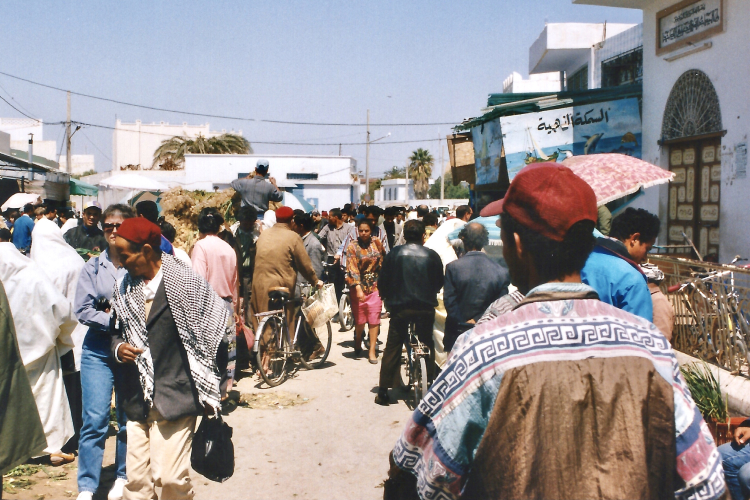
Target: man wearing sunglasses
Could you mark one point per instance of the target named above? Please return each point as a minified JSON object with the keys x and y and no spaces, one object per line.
{"x":87,"y":238}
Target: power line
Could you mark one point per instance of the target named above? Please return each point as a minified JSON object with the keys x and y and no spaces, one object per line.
{"x":237,"y":118}
{"x":14,"y":100}
{"x":97,"y":147}
{"x":285,"y":143}
{"x":24,"y":114}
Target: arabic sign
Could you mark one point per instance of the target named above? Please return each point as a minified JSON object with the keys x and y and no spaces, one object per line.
{"x":686,"y":22}
{"x":607,"y":127}
{"x":488,"y":148}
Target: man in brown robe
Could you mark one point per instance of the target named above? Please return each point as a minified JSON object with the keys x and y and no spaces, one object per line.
{"x":280,"y":255}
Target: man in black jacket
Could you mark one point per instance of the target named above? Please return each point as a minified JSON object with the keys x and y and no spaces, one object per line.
{"x":472,"y":283}
{"x":87,"y":235}
{"x":169,"y":327}
{"x":409,"y":282}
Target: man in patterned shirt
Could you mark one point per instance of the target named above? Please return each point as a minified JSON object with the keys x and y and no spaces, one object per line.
{"x":564,"y":397}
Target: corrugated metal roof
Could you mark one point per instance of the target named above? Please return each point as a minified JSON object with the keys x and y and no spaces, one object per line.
{"x":517,"y":104}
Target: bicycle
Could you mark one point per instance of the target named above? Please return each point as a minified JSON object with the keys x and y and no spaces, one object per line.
{"x":275,"y":350}
{"x":414,"y":357}
{"x":717,"y":323}
{"x":346,"y":317}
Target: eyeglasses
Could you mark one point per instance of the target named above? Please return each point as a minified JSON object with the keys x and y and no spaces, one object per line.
{"x":108,"y":226}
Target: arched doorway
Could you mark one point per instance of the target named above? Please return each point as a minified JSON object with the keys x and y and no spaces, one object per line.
{"x":692,"y":130}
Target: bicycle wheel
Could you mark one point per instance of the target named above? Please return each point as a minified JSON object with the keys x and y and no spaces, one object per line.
{"x":324,"y":334}
{"x":419,"y":380}
{"x":346,"y":318}
{"x":273,"y":351}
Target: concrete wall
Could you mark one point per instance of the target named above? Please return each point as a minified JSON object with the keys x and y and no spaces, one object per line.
{"x":333,"y":188}
{"x":81,"y":163}
{"x":542,"y":82}
{"x":725,"y":64}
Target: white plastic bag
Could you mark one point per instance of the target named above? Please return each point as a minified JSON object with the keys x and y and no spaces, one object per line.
{"x":321,"y":307}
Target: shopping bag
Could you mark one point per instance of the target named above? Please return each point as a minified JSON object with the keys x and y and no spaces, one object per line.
{"x":213,"y":451}
{"x":321,"y":306}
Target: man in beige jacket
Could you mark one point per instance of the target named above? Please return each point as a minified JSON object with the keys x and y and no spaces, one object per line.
{"x":280,"y":255}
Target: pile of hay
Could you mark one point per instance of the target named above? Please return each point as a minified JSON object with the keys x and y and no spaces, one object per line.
{"x":181,"y":208}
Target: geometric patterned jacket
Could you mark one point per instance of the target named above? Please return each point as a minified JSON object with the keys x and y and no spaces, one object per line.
{"x":564,"y":397}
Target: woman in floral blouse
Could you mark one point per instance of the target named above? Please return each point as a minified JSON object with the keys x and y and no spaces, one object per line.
{"x":364,"y":258}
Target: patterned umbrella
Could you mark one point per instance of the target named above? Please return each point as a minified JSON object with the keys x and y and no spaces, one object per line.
{"x":613,"y":176}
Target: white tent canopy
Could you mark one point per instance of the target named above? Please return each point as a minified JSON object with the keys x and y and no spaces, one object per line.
{"x":133,"y":182}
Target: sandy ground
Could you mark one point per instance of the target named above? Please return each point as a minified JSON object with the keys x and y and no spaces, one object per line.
{"x":319,"y":435}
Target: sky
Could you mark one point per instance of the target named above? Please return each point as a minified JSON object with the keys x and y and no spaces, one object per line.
{"x":426,"y":62}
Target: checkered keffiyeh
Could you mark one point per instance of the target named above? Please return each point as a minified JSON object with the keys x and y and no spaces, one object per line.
{"x":202,"y":321}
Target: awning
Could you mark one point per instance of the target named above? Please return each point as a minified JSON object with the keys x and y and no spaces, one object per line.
{"x":80,"y":188}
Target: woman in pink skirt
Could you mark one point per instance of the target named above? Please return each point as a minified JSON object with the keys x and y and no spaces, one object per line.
{"x":364,"y":258}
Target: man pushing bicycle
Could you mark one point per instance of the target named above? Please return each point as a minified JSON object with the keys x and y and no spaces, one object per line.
{"x":409,"y":282}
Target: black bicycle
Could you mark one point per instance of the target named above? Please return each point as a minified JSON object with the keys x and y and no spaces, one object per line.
{"x":415,"y":356}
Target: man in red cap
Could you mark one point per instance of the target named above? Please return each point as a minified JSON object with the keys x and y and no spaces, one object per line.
{"x":565,"y":396}
{"x":168,"y":329}
{"x":280,"y":255}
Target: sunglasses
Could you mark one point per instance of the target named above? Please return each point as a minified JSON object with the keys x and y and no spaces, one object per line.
{"x":107,"y":226}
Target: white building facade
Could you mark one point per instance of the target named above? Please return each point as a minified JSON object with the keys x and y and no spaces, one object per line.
{"x":135,"y":143}
{"x":19,"y":130}
{"x":81,"y":164}
{"x":696,"y":119}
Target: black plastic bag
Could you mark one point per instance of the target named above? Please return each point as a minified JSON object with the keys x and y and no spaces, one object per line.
{"x":213,"y":451}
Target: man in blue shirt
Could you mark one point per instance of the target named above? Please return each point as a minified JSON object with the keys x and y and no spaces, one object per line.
{"x":613,"y":268}
{"x":256,"y":191}
{"x":22,"y":229}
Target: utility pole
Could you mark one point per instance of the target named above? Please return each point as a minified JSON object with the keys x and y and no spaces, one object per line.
{"x":367,"y":158}
{"x":442,"y":172}
{"x":406,"y":201}
{"x":68,"y":166}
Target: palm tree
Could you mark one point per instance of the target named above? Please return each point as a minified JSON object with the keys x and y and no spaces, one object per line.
{"x":171,"y":154}
{"x":420,"y":171}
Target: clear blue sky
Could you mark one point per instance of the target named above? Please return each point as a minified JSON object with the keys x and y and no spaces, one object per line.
{"x":325,"y":61}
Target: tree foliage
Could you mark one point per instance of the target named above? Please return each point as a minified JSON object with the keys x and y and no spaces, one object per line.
{"x":395,"y":173}
{"x":451,"y":192}
{"x":171,"y":154}
{"x":420,"y":171}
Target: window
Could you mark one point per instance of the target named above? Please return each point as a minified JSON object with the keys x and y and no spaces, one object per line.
{"x":624,"y":69}
{"x":302,"y":177}
{"x":579,"y":80}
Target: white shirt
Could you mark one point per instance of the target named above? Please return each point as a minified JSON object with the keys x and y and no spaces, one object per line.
{"x":182,"y":255}
{"x":150,"y":288}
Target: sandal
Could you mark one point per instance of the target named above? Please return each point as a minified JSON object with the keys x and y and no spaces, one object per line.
{"x":60,"y":458}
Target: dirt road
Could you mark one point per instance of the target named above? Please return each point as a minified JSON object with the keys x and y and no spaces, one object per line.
{"x":319,"y":435}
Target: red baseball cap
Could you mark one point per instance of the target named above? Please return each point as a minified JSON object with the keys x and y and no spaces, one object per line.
{"x":547,"y":198}
{"x":140,"y":231}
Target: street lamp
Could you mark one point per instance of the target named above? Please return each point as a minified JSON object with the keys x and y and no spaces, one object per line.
{"x":367,"y":155}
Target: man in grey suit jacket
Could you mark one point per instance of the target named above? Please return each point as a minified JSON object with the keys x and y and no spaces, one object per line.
{"x":472,"y":283}
{"x":303,"y":224}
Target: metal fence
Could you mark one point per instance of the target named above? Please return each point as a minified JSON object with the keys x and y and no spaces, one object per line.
{"x":712,"y":307}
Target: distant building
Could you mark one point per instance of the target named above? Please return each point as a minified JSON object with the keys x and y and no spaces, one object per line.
{"x":325,"y":182}
{"x":80,"y":163}
{"x":19,"y":130}
{"x":543,"y":82}
{"x":135,"y":143}
{"x":395,"y":190}
{"x":589,"y":55}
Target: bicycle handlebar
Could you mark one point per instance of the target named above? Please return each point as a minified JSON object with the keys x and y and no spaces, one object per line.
{"x":676,"y":287}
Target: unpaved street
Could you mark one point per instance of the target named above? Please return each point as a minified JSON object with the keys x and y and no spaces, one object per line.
{"x":319,"y":435}
{"x":333,"y":446}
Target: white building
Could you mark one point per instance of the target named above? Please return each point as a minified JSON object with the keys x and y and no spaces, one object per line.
{"x":542,"y":82}
{"x":575,"y":51}
{"x":395,"y":190}
{"x":325,"y":182}
{"x":80,"y":163}
{"x":696,"y":119}
{"x":135,"y":143}
{"x":19,"y":130}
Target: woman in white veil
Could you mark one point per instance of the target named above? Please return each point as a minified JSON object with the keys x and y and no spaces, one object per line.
{"x":62,"y":265}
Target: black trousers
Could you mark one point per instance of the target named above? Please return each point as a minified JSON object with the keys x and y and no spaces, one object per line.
{"x":397,"y":331}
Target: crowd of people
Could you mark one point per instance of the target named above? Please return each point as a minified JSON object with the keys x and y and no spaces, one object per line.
{"x":550,"y":360}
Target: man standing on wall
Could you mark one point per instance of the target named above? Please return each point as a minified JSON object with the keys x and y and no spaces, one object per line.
{"x":255,"y":191}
